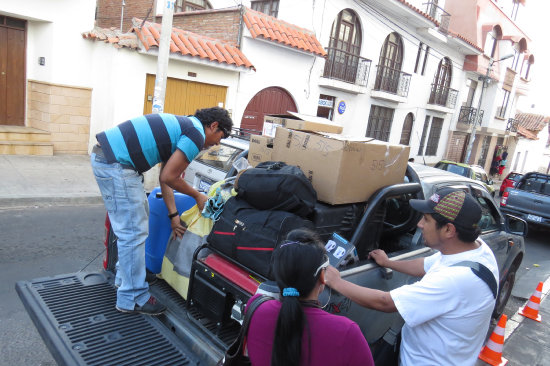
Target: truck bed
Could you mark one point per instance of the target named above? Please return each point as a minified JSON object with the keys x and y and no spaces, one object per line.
{"x":75,"y":315}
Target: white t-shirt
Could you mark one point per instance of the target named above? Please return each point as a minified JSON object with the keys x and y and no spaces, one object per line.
{"x":447,"y":313}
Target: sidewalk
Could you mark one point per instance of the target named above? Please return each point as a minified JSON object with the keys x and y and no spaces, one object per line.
{"x":47,"y":180}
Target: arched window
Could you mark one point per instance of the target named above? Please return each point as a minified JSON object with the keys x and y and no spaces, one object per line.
{"x":344,"y":48}
{"x":407,"y":129}
{"x":442,"y":82}
{"x":389,"y":64}
{"x":491,"y":41}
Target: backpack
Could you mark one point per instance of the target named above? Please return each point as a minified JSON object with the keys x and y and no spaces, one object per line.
{"x":249,"y":236}
{"x":277,"y":186}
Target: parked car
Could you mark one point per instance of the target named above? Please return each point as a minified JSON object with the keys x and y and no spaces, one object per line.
{"x":529,"y":199}
{"x":199,"y":329}
{"x":475,"y":172}
{"x":510,"y":181}
{"x":215,"y":163}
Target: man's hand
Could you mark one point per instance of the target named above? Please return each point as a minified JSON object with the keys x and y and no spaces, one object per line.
{"x":380,"y":257}
{"x":332,"y":276}
{"x":201,"y":201}
{"x":177,"y":228}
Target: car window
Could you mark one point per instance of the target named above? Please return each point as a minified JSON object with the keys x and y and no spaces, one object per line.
{"x":489,"y":216}
{"x":516,"y":177}
{"x":460,"y":170}
{"x":219,"y":156}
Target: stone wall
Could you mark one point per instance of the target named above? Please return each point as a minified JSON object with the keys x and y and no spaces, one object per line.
{"x":62,"y":110}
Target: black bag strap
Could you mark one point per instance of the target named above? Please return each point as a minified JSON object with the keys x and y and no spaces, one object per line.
{"x":248,"y":315}
{"x":482,"y":272}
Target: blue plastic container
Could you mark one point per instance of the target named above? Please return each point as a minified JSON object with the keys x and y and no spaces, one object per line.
{"x":159,"y":226}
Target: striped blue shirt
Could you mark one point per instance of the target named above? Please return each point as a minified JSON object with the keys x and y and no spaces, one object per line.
{"x":145,"y":141}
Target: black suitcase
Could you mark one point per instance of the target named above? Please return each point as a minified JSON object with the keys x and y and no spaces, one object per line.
{"x":341,"y":219}
{"x":249,"y":236}
{"x":273,"y":185}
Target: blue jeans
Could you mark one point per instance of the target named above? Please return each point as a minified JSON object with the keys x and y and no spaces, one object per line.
{"x":126,"y":203}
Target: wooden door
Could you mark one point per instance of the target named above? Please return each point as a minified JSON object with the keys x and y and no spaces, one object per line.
{"x":272,"y":100}
{"x":12,"y":71}
{"x":184,"y":97}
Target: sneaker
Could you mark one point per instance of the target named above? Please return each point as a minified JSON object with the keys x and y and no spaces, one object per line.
{"x":151,"y":307}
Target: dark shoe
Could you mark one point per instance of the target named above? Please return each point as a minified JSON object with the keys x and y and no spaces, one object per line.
{"x":151,"y":307}
{"x":150,"y":277}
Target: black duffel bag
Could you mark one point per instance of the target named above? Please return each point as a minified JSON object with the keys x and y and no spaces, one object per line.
{"x":249,"y":236}
{"x":274,"y":185}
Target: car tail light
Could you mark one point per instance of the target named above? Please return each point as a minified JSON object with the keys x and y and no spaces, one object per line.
{"x":106,"y":242}
{"x":504,"y":198}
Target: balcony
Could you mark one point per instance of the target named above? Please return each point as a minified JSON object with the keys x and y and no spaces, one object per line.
{"x":392,"y":81}
{"x":440,"y":15}
{"x":349,"y":68}
{"x":467,"y":115}
{"x":443,"y":96}
{"x":512,"y":125}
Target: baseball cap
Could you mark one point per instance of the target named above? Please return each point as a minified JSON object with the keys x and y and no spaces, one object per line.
{"x":457,"y":206}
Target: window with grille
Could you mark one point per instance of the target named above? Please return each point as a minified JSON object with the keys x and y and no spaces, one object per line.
{"x":269,"y":7}
{"x":435,"y":134}
{"x":407,"y":129}
{"x":424,"y":133}
{"x":344,"y":48}
{"x":191,"y":5}
{"x":380,"y":120}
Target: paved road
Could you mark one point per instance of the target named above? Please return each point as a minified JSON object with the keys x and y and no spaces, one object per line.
{"x":38,"y":242}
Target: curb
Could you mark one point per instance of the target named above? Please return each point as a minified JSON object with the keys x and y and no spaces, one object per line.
{"x":15,"y":202}
{"x":513,"y":323}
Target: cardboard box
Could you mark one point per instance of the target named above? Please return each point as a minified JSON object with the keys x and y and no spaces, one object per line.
{"x":297,"y":121}
{"x":260,"y":149}
{"x":342,"y":169}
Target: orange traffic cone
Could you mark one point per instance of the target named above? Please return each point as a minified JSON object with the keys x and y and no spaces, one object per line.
{"x":492,"y":352}
{"x":531,"y":310}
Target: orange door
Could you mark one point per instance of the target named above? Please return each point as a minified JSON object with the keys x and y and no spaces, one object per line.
{"x":272,"y":100}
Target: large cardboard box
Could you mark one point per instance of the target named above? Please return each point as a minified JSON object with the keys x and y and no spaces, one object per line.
{"x":297,"y":121}
{"x":260,"y":149}
{"x":342,"y":169}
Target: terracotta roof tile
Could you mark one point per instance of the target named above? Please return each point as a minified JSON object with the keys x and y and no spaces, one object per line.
{"x":526,"y":133}
{"x":273,"y":29}
{"x":113,"y":36}
{"x":532,"y":122}
{"x":192,"y":44}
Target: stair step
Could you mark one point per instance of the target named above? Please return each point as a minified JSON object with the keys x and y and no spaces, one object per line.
{"x":21,"y":133}
{"x":26,"y":148}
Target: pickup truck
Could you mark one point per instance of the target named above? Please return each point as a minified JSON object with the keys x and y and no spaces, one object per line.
{"x":529,"y":199}
{"x":76,"y":316}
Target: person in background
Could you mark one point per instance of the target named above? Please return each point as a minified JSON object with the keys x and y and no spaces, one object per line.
{"x":122,"y":155}
{"x":295,"y":331}
{"x":447,"y":313}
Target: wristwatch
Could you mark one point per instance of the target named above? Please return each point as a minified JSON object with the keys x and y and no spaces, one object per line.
{"x":172,"y":215}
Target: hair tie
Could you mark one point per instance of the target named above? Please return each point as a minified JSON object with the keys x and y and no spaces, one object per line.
{"x":290,"y":291}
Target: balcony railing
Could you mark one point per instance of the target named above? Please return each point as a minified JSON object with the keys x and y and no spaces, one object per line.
{"x":443,"y":96}
{"x":436,"y":12}
{"x":347,"y":67}
{"x":468,"y":115}
{"x":512,"y":125}
{"x":392,"y":81}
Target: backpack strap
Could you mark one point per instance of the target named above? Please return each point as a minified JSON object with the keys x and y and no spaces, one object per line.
{"x":482,"y":272}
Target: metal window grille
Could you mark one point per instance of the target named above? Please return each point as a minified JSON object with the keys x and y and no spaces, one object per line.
{"x":380,"y":121}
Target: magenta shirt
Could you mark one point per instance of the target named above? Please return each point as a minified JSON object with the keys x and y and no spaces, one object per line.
{"x":335,"y":340}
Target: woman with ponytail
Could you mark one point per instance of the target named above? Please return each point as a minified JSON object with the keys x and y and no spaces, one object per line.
{"x":295,"y":331}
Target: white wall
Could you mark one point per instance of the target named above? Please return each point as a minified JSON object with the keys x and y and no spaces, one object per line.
{"x":54,"y":32}
{"x":533,"y":154}
{"x":119,"y":77}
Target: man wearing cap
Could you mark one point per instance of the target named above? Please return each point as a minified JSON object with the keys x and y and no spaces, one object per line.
{"x":447,"y":313}
{"x":122,"y":154}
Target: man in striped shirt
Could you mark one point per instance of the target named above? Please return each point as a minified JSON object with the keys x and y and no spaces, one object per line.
{"x":126,"y":151}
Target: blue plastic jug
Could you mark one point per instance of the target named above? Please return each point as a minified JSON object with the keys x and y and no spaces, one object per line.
{"x":159,"y":226}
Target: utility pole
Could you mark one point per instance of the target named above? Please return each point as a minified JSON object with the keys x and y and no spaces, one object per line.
{"x":478,"y":114}
{"x":163,"y":56}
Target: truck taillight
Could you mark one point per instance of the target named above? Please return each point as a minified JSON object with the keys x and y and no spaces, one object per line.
{"x":106,"y":242}
{"x":504,"y":198}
